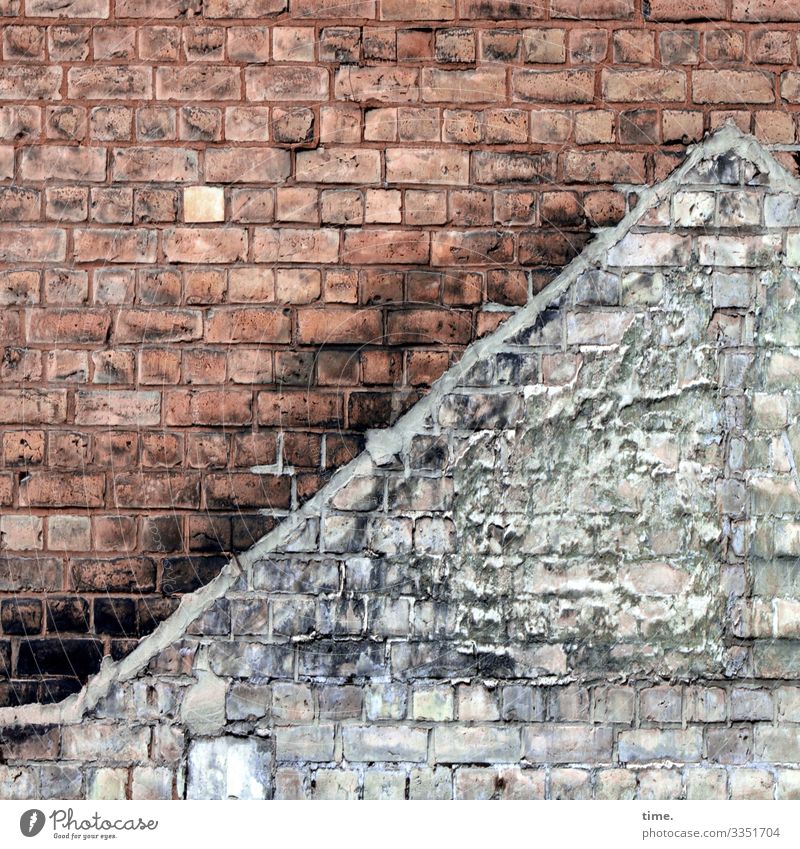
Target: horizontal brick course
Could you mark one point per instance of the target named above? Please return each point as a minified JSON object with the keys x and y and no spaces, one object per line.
{"x":239,"y":235}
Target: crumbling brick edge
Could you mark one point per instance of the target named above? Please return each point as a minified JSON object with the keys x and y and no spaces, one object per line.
{"x":381,"y":444}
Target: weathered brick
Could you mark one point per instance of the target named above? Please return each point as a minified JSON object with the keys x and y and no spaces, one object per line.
{"x":634,"y":86}
{"x":732,"y":86}
{"x":385,"y":743}
{"x":385,"y":246}
{"x":382,"y":85}
{"x":208,"y":244}
{"x":262,"y":165}
{"x":574,"y":86}
{"x":25,"y":83}
{"x":339,"y":165}
{"x":286,"y":84}
{"x":147,"y":164}
{"x":123,"y":245}
{"x":110,"y":82}
{"x":67,"y":163}
{"x":482,"y":85}
{"x":476,"y":744}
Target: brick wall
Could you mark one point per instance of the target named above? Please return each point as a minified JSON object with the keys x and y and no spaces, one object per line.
{"x":569,"y":572}
{"x":238,"y":234}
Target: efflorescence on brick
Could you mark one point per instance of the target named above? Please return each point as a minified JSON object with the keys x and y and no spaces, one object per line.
{"x":568,"y":572}
{"x":237,"y":234}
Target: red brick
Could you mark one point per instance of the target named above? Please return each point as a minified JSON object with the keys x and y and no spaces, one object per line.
{"x":198,"y":82}
{"x":385,"y":246}
{"x":251,"y":284}
{"x":248,"y":325}
{"x":128,"y":245}
{"x":587,"y":46}
{"x":117,"y":449}
{"x":117,"y":407}
{"x":482,"y":85}
{"x":378,"y":85}
{"x":207,"y":450}
{"x":113,"y":367}
{"x":427,"y":165}
{"x":33,"y":406}
{"x":552,"y":86}
{"x":339,"y":165}
{"x":74,"y":9}
{"x":67,"y":366}
{"x":159,"y":367}
{"x":336,"y":325}
{"x":41,"y":244}
{"x":606,"y":166}
{"x":550,"y":247}
{"x":634,"y":46}
{"x":153,"y":9}
{"x":506,"y":286}
{"x":381,"y":367}
{"x":380,"y":124}
{"x":645,"y":85}
{"x":462,"y":287}
{"x":23,"y":43}
{"x":253,"y":206}
{"x":380,"y":286}
{"x":733,"y":87}
{"x":790,"y":86}
{"x":119,"y":574}
{"x":424,"y":367}
{"x":688,"y":10}
{"x":244,"y":8}
{"x":197,"y":245}
{"x":23,"y":447}
{"x":752,"y":11}
{"x":159,"y":43}
{"x":295,"y":245}
{"x":771,"y":47}
{"x":297,"y":285}
{"x":583,"y":10}
{"x":211,"y":407}
{"x":59,"y":327}
{"x":162,"y":450}
{"x":48,"y":162}
{"x":476,"y":247}
{"x":62,"y":489}
{"x":300,"y":409}
{"x":501,"y":10}
{"x":156,"y":489}
{"x":154,"y":164}
{"x":236,"y":490}
{"x":261,"y":165}
{"x":30,"y":83}
{"x":429,"y":326}
{"x":286,"y":84}
{"x":513,"y":167}
{"x":248,"y":365}
{"x":724,"y":46}
{"x":420,"y":10}
{"x":134,"y":326}
{"x":110,"y":82}
{"x":425,"y":207}
{"x":340,"y":124}
{"x":544,"y":46}
{"x":21,"y":364}
{"x":19,"y":288}
{"x":114,"y":533}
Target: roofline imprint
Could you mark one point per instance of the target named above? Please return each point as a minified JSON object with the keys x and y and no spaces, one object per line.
{"x":384,"y":443}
